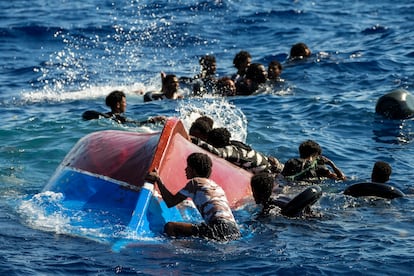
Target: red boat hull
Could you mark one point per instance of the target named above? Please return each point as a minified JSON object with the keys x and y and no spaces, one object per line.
{"x":128,"y":156}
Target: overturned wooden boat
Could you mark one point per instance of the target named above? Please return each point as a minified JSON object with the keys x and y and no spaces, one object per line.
{"x":103,"y":176}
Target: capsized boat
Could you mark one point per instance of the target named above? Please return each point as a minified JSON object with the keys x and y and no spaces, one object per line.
{"x":103,"y":177}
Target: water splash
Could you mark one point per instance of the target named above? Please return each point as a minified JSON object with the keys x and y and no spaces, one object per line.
{"x":224,"y":114}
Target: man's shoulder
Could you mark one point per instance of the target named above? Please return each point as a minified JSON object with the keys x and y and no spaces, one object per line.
{"x":292,"y":166}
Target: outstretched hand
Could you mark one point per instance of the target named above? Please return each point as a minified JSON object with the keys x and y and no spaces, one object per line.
{"x":153,"y":176}
{"x":339,"y":175}
{"x":325,"y":160}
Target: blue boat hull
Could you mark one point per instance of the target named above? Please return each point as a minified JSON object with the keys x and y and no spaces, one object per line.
{"x":103,"y":192}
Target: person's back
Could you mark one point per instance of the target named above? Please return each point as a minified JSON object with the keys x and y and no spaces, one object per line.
{"x":299,"y":169}
{"x":242,"y":155}
{"x":209,"y":198}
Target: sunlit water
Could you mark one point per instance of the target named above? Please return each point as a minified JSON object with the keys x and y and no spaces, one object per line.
{"x":59,"y":59}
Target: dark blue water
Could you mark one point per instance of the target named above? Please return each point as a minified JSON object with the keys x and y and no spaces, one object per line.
{"x":60,"y":58}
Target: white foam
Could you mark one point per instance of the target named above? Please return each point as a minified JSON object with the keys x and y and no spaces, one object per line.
{"x":224,"y":114}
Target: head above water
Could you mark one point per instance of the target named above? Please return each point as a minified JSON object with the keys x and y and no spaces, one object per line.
{"x":242,"y":60}
{"x":262,"y":186}
{"x":257,"y":73}
{"x":208,"y":64}
{"x":274,"y":70}
{"x":226,"y":87}
{"x":200,"y":129}
{"x":200,"y":164}
{"x":116,"y":100}
{"x":300,"y":50}
{"x":170,"y":86}
{"x":206,"y":119}
{"x":381,"y":172}
{"x":219,"y":137}
{"x":309,"y":148}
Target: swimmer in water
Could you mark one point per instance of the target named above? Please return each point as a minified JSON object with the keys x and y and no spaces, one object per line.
{"x":116,"y":100}
{"x":209,"y":198}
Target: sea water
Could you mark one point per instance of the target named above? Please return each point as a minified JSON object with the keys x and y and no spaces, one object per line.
{"x":60,"y":58}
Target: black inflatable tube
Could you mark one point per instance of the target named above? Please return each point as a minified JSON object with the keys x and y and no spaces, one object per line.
{"x":153,"y":96}
{"x":148,"y":97}
{"x":398,"y":104}
{"x":306,"y":198}
{"x":92,"y":114}
{"x":373,"y":189}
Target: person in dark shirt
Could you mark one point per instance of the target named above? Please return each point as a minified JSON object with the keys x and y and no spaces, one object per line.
{"x":206,"y":81}
{"x":263,"y":188}
{"x":311,"y":165}
{"x":116,"y":100}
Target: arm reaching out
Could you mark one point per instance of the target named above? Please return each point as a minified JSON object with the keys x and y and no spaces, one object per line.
{"x":338,"y":174}
{"x":170,"y":199}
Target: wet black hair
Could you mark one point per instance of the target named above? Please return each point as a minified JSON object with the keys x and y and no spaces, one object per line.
{"x":219,"y":137}
{"x":168,"y":78}
{"x":262,"y":186}
{"x":309,"y":148}
{"x":201,"y":163}
{"x":207,"y":119}
{"x":240,"y":58}
{"x":381,"y":172}
{"x":113,"y":98}
{"x":199,"y":127}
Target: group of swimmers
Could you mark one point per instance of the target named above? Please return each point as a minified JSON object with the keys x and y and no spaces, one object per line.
{"x":248,"y":79}
{"x":219,"y":223}
{"x":210,"y":199}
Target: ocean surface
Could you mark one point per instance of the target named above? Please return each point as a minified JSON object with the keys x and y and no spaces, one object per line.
{"x":60,"y":58}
